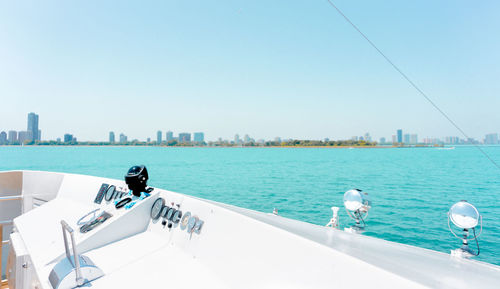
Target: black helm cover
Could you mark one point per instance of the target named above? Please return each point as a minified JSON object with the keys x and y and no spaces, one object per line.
{"x":136,"y":179}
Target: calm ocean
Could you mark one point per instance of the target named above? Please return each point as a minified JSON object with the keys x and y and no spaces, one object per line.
{"x":411,"y":189}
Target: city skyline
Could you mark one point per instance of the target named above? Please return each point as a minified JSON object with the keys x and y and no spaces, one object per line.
{"x":400,"y":137}
{"x":147,"y":134}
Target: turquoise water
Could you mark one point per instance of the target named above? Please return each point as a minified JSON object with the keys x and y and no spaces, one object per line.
{"x":411,"y":189}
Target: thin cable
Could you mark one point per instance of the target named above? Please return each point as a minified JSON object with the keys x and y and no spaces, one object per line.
{"x":477,"y":243}
{"x":412,"y":83}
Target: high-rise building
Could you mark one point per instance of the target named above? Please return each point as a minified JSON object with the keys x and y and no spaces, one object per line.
{"x":247,"y":139}
{"x":184,"y":137}
{"x":491,"y":138}
{"x":24,"y":137}
{"x":237,"y":139}
{"x":68,"y":138}
{"x":199,"y":137}
{"x":382,"y":140}
{"x":368,"y":137}
{"x":3,"y":138}
{"x":12,"y":136}
{"x":394,"y":138}
{"x":158,"y":137}
{"x":413,"y":139}
{"x":406,"y":138}
{"x":112,"y":137}
{"x":433,"y":140}
{"x":39,"y":135}
{"x":33,"y":125}
{"x":169,"y":136}
{"x":123,"y":138}
{"x":400,"y":135}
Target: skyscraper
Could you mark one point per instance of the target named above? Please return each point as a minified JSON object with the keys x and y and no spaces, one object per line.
{"x":491,"y":138}
{"x":158,"y":137}
{"x":169,"y":136}
{"x":3,"y":138}
{"x":12,"y":136}
{"x":33,"y":126}
{"x":184,"y":137}
{"x":382,"y":140}
{"x":123,"y":138}
{"x":400,"y":135}
{"x":68,"y":138}
{"x":413,"y":139}
{"x":199,"y":137}
{"x":111,"y":137}
{"x":24,"y":136}
{"x":406,"y":138}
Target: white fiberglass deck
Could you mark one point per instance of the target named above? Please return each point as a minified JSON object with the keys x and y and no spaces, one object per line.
{"x":236,"y":248}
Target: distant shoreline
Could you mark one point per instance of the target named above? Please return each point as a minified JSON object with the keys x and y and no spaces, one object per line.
{"x":297,"y":146}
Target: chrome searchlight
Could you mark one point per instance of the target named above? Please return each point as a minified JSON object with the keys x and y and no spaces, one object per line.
{"x":357,"y":204}
{"x":466,"y":217}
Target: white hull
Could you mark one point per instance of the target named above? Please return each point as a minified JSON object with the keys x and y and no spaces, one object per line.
{"x":235,"y":248}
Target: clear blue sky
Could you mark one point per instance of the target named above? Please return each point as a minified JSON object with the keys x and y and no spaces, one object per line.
{"x":267,"y":68}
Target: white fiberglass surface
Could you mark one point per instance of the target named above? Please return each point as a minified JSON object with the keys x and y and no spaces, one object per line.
{"x":147,"y":260}
{"x":236,"y":248}
{"x":427,"y":267}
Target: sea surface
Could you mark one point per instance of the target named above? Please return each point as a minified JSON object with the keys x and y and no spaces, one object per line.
{"x":411,"y":188}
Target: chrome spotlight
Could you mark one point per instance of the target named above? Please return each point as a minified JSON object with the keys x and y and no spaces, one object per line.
{"x":466,"y":217}
{"x":357,"y":205}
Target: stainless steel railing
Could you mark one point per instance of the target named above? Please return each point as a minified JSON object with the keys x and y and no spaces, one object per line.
{"x":11,"y":198}
{"x":67,"y":228}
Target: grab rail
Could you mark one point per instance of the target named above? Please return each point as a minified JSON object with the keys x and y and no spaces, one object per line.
{"x":1,"y":251}
{"x":11,"y":198}
{"x":66,"y":227}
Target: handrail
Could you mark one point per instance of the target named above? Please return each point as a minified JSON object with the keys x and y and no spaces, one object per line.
{"x":66,"y":227}
{"x":11,"y":198}
{"x":1,"y":250}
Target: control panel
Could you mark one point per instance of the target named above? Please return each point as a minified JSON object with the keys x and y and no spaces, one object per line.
{"x":110,"y":199}
{"x":110,"y":192}
{"x":171,"y":215}
{"x":100,"y":194}
{"x":120,"y":199}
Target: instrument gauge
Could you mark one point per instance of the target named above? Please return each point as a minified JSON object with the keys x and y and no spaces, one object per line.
{"x":170,"y":213}
{"x":156,"y":208}
{"x":110,"y":193}
{"x":164,"y":211}
{"x":191,"y":223}
{"x":177,"y":216}
{"x":185,"y":219}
